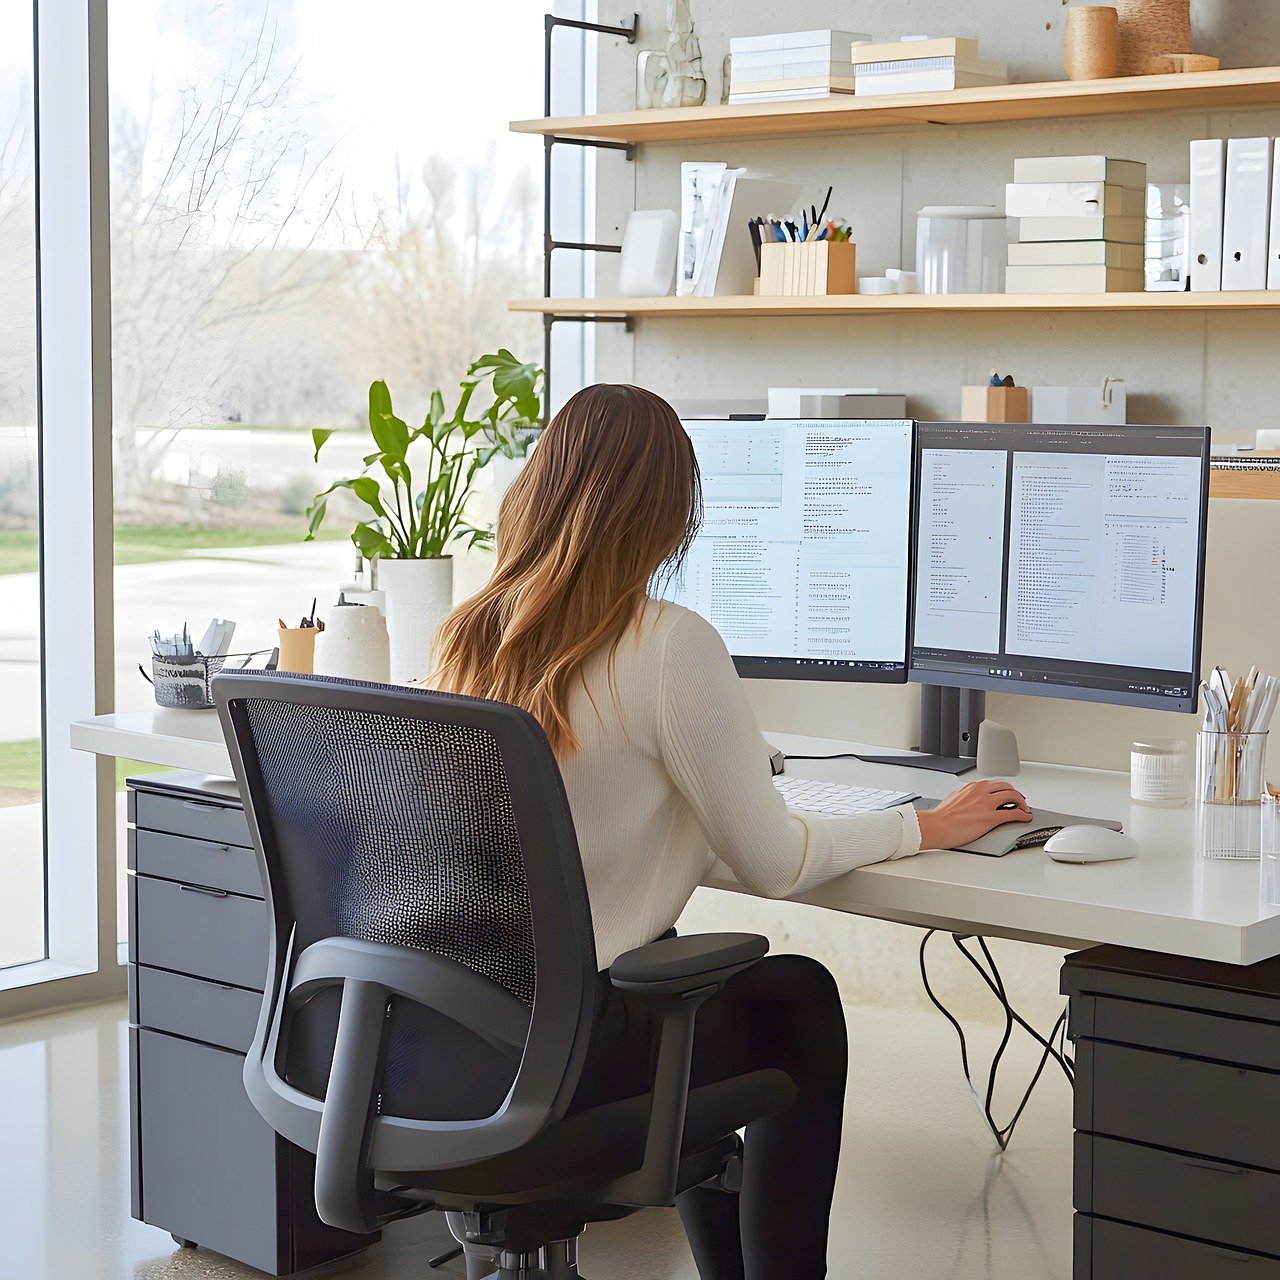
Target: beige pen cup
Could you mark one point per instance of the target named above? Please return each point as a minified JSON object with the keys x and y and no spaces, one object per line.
{"x":1091,"y":46}
{"x":1230,"y":773}
{"x":298,"y":649}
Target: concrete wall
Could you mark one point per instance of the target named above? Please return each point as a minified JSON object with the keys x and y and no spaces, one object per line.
{"x":1217,"y":369}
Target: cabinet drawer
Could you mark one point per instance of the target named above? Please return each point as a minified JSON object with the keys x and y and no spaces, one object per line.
{"x":1186,"y":1031}
{"x":1231,"y":1113}
{"x":187,"y":816}
{"x":205,"y":933}
{"x":1212,"y":1200}
{"x":1114,"y":1251}
{"x":208,"y":1159}
{"x":194,"y":1008}
{"x":221,"y":866}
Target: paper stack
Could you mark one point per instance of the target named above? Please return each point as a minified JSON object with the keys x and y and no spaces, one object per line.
{"x":791,"y":66}
{"x":1082,"y":224}
{"x":918,"y":64}
{"x":716,"y":254}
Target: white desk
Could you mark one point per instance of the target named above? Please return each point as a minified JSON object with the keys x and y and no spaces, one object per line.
{"x":1166,"y":900}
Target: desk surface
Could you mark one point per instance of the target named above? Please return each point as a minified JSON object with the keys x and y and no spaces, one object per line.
{"x":1167,"y":899}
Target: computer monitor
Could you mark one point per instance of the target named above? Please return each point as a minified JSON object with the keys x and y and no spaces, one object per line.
{"x":803,"y":560}
{"x":1061,"y":561}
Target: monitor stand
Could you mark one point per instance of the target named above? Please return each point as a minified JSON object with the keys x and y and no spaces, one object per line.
{"x":949,"y":720}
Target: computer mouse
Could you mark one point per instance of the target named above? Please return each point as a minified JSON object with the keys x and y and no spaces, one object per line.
{"x":1090,"y":844}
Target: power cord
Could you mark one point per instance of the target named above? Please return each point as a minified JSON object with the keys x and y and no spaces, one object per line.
{"x":1003,"y":1133}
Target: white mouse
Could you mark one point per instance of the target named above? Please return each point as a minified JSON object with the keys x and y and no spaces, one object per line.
{"x":1090,"y":844}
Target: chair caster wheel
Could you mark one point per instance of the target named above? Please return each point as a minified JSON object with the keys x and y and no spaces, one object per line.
{"x":184,"y":1244}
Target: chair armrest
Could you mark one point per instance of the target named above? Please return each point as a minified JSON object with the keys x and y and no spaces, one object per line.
{"x":680,"y":966}
{"x":680,"y":975}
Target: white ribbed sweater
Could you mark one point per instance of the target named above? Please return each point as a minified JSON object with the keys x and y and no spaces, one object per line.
{"x":671,"y":767}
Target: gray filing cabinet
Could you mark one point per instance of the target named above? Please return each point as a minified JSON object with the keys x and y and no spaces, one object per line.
{"x":206,"y":1166}
{"x":1177,"y":1116}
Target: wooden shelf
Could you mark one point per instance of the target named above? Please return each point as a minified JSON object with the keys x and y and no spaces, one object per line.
{"x":853,"y":304}
{"x":1051,"y":100}
{"x":1238,"y":482}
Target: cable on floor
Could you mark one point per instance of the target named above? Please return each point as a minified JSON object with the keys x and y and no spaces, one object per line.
{"x":995,"y":983}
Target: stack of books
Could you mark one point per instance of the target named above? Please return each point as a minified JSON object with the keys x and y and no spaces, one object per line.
{"x":1081,"y":228}
{"x":922,"y":65}
{"x":792,"y":66}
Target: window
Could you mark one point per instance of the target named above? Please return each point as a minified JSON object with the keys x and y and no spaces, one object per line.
{"x":303,"y":198}
{"x":301,"y":203}
{"x":22,"y":863}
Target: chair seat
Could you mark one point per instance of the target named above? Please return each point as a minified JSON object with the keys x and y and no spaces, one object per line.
{"x":598,"y":1145}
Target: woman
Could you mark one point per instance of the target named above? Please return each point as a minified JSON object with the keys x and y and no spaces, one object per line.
{"x":663,"y":765}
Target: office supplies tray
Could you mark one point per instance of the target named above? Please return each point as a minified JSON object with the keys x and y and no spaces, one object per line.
{"x":184,"y":683}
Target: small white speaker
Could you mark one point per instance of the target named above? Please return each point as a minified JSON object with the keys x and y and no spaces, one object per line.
{"x":998,"y":751}
{"x":648,"y":267}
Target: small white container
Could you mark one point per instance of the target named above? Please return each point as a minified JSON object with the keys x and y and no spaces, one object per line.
{"x":1270,"y":851}
{"x":1160,"y":772}
{"x":961,"y":249}
{"x":354,"y":644}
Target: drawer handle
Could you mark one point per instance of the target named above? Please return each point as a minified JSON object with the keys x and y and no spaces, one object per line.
{"x":1213,"y":1166}
{"x":199,"y":804}
{"x":200,"y":888}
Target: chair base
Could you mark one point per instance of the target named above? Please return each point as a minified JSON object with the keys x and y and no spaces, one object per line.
{"x":558,"y":1261}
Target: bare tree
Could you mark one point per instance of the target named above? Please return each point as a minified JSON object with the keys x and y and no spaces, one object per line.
{"x":216,"y":200}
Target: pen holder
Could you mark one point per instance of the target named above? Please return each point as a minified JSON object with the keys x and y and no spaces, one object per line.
{"x":808,"y":270}
{"x":298,"y":649}
{"x":1229,"y":793}
{"x":182,"y":683}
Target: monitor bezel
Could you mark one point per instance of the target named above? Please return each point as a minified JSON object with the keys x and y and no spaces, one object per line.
{"x":1049,"y":689}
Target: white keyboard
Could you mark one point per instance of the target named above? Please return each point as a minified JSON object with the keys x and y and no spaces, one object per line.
{"x":836,"y":800}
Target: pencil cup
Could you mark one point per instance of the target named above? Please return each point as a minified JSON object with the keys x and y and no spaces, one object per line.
{"x":808,"y":270}
{"x":1270,"y":851}
{"x":298,"y":649}
{"x":1229,"y":792}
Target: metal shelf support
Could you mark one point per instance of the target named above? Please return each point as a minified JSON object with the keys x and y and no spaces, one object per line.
{"x":627,"y":31}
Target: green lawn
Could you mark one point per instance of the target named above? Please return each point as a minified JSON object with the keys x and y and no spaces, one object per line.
{"x":147,"y":544}
{"x":20,"y":766}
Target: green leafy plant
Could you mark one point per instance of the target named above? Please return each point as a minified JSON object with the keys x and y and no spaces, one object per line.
{"x":418,"y":524}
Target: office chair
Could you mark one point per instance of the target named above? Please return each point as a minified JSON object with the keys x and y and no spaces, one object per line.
{"x":432,"y":987}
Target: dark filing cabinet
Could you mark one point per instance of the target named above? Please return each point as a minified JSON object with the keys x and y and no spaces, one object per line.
{"x":1177,"y":1116}
{"x":206,"y":1167}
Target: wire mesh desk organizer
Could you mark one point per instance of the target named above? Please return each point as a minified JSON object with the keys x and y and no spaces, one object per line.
{"x":181,"y":672}
{"x":1231,"y":752}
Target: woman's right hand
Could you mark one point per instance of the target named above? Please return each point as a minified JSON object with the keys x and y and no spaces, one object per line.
{"x":968,"y":814}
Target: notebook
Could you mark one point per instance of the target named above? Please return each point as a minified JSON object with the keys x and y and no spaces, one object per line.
{"x":1025,"y":835}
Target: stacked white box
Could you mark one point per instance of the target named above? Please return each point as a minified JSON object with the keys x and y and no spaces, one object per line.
{"x":791,"y":66}
{"x":1081,"y":225}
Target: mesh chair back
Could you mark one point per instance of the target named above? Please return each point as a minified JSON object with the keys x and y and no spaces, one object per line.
{"x":423,"y":842}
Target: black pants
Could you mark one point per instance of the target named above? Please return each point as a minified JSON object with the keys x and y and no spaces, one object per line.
{"x":783,"y":1013}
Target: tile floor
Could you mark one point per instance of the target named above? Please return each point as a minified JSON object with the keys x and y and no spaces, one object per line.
{"x":920,"y":1197}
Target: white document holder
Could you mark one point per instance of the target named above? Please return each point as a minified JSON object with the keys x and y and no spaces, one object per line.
{"x":1247,"y":214}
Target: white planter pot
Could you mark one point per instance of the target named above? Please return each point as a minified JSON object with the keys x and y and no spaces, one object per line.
{"x":353,"y":644}
{"x":419,"y":596}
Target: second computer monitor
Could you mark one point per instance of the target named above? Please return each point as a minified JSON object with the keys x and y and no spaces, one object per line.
{"x":1066,"y":561}
{"x":802,"y":562}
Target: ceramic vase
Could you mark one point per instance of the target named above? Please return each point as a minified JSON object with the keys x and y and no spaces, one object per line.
{"x":419,"y":596}
{"x":1150,"y":29}
{"x":1092,"y":44}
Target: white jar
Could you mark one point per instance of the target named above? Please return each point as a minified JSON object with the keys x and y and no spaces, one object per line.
{"x":354,"y":644}
{"x":1160,"y":772}
{"x":961,"y":249}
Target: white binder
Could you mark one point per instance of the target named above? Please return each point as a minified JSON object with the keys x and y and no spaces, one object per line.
{"x":1247,"y":214}
{"x":1273,"y":268}
{"x":1208,"y":176}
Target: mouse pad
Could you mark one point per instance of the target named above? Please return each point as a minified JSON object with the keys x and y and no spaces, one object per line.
{"x":1025,"y":835}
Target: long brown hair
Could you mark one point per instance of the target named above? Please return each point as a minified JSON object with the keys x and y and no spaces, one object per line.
{"x":610,"y":496}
